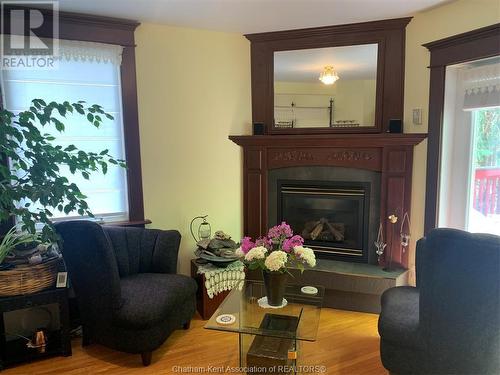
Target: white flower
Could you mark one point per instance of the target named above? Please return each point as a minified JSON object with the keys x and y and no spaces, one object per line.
{"x":305,"y":255}
{"x":276,"y":260}
{"x":239,"y":253}
{"x":258,"y":252}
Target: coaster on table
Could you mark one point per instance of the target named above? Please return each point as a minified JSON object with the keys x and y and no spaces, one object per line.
{"x":309,"y":290}
{"x":265,"y":305}
{"x":225,"y":319}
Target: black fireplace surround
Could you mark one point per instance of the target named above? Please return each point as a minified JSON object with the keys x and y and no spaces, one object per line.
{"x":335,"y":209}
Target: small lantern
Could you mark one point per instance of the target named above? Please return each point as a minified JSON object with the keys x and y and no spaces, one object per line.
{"x":204,"y":229}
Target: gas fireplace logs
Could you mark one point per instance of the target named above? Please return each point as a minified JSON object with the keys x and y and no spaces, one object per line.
{"x":323,"y":230}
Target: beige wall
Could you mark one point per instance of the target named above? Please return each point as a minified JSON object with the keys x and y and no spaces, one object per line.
{"x":193,"y":91}
{"x":437,"y":23}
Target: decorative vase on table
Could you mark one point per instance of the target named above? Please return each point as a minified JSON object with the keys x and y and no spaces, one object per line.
{"x":275,"y":285}
{"x":274,"y":254}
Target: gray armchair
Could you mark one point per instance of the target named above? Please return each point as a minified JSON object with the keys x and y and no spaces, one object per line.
{"x":129,"y":295}
{"x":449,"y":323}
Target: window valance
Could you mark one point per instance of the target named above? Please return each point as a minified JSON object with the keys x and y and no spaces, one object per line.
{"x":482,"y":87}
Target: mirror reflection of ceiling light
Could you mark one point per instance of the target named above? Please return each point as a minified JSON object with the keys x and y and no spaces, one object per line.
{"x":328,"y":76}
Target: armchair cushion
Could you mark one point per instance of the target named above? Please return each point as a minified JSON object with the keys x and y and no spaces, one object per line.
{"x":399,"y":318}
{"x":151,"y":298}
{"x":142,"y":251}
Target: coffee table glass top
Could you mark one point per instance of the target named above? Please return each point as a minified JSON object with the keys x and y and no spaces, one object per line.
{"x":242,"y":303}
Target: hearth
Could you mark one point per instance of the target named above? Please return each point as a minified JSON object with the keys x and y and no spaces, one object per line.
{"x":332,"y":216}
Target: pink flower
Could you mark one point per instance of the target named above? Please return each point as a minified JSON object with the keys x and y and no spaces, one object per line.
{"x":263,"y":241}
{"x":290,"y":243}
{"x":246,"y":244}
{"x":280,"y":232}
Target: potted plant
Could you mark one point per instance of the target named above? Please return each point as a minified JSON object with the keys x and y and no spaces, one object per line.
{"x":274,"y":254}
{"x":31,"y":184}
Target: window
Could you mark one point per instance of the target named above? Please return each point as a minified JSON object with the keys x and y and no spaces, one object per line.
{"x":484,"y":196}
{"x":89,"y":72}
{"x":469,"y":196}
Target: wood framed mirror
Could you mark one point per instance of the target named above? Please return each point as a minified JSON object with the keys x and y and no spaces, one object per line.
{"x":335,"y":79}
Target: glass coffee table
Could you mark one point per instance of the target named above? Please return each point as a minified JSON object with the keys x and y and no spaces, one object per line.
{"x":269,"y":338}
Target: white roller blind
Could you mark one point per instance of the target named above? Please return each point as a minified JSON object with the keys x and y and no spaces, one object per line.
{"x":89,"y":72}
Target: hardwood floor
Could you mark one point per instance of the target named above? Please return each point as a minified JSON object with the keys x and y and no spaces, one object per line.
{"x":348,"y":343}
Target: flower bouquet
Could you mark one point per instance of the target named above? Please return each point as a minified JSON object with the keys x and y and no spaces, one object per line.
{"x":274,"y":254}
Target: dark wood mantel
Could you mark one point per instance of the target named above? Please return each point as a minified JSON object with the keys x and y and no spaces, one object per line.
{"x":390,"y":154}
{"x":331,"y":140}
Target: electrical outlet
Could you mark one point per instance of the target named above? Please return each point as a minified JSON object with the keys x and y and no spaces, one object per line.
{"x":417,"y":116}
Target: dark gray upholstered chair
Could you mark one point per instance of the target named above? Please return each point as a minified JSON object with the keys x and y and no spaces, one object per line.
{"x":449,"y":323}
{"x":129,"y":295}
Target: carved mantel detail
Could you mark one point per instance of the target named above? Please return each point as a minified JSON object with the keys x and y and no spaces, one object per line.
{"x":292,"y":156}
{"x":364,"y":158}
{"x":351,"y":155}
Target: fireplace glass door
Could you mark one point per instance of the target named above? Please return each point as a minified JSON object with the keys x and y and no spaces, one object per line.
{"x":332,"y":217}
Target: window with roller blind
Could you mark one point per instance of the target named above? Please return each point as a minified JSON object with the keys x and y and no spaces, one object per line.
{"x":88,"y":72}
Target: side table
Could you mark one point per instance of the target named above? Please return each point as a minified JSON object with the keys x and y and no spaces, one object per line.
{"x":58,"y":343}
{"x":205,"y":305}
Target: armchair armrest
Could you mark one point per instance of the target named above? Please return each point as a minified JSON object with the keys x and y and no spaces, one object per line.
{"x":399,"y":317}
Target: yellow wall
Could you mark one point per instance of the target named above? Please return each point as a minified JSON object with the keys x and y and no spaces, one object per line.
{"x":437,"y":23}
{"x":193,"y":91}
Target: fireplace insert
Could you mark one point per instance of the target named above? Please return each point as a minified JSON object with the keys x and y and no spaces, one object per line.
{"x":332,"y":216}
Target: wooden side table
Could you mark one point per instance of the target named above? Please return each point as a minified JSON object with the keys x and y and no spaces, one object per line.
{"x":205,"y":305}
{"x":59,"y":343}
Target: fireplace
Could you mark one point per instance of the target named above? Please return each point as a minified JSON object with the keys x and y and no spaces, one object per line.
{"x":336,"y":209}
{"x":384,"y":161}
{"x":332,"y":216}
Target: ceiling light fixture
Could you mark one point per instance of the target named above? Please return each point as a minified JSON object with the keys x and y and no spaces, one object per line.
{"x":328,"y":76}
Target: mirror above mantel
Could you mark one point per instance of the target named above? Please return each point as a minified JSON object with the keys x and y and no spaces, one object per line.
{"x":361,"y":67}
{"x":330,"y":87}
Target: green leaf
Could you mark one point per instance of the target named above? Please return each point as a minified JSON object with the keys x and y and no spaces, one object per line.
{"x":90,"y":117}
{"x":104,"y":167}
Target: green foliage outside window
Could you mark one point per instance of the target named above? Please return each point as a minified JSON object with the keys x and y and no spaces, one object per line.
{"x":487,"y":138}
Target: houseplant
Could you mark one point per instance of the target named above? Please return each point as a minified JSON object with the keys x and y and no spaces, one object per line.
{"x":274,"y":254}
{"x":31,"y":183}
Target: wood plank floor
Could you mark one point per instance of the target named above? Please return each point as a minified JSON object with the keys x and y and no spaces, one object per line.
{"x":348,"y":343}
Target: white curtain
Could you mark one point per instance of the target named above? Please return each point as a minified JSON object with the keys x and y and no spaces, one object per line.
{"x":91,"y":52}
{"x":482,"y":87}
{"x":89,"y":72}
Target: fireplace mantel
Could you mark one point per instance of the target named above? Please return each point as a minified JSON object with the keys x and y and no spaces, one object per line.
{"x":390,"y":154}
{"x":330,"y":140}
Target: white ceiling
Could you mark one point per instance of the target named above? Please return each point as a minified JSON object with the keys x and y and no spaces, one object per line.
{"x":351,"y":62}
{"x":250,"y":16}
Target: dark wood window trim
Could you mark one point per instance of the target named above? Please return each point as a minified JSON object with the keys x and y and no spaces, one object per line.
{"x":89,"y":28}
{"x":474,"y":45}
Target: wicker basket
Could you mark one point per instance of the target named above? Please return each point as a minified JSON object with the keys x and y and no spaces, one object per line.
{"x":28,"y":279}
